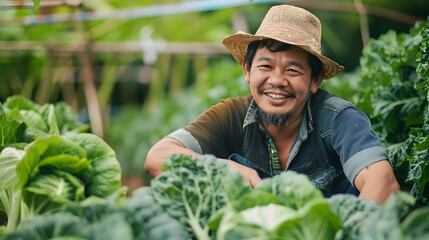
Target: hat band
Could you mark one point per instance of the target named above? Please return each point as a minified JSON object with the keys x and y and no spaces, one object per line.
{"x":291,"y":36}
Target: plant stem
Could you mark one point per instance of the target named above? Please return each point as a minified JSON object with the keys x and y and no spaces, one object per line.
{"x":15,"y":210}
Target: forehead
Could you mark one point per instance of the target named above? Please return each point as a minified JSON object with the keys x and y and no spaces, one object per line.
{"x":292,"y":51}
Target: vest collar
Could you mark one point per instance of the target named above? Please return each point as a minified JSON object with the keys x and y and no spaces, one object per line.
{"x":252,"y":116}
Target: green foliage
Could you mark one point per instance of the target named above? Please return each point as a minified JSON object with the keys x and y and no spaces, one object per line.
{"x":314,"y":221}
{"x":386,"y":223}
{"x":23,"y":121}
{"x":47,"y":162}
{"x":364,"y":219}
{"x":214,"y":202}
{"x":194,"y":189}
{"x":202,"y":198}
{"x":394,"y":94}
{"x":286,"y":206}
{"x":53,"y":171}
{"x":284,"y":187}
{"x":353,"y":212}
{"x":137,"y":217}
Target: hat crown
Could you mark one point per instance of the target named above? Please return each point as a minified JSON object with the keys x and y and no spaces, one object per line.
{"x":286,"y":23}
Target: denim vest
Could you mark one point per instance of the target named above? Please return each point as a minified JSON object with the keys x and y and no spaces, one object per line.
{"x":311,"y":153}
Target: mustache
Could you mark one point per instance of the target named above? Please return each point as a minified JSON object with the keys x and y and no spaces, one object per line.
{"x":280,"y":89}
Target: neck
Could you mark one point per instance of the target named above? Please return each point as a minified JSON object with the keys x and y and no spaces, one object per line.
{"x":286,"y":131}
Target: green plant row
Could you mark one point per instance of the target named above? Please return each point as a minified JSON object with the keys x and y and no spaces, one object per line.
{"x":202,"y":198}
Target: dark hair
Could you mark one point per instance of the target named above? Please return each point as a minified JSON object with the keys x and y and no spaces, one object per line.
{"x":276,"y":46}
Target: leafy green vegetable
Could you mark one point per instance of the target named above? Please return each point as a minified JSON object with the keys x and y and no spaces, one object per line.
{"x":22,"y":121}
{"x":192,"y":190}
{"x":294,"y":190}
{"x":138,"y":217}
{"x":11,"y":130}
{"x":353,"y":212}
{"x":416,"y":224}
{"x":297,"y":211}
{"x":363,"y":219}
{"x":56,"y":170}
{"x":385,"y":223}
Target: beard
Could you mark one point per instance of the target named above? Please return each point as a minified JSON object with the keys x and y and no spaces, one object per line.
{"x":274,"y":119}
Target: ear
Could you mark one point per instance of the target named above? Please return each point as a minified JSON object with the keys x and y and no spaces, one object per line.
{"x":246,"y":73}
{"x":316,"y":82}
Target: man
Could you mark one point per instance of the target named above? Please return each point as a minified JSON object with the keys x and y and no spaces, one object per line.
{"x":287,"y":123}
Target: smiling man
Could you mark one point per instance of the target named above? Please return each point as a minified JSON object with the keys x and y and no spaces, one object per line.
{"x":287,"y":123}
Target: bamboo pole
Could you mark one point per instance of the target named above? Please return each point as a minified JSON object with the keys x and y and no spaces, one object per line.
{"x":170,"y":47}
{"x":363,"y":20}
{"x":90,"y":92}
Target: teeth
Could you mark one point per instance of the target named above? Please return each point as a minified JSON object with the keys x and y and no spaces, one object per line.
{"x":276,"y":95}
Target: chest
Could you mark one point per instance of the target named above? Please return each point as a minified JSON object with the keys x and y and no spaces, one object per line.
{"x":281,"y":150}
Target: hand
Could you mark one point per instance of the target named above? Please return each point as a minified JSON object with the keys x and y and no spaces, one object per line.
{"x":249,"y":174}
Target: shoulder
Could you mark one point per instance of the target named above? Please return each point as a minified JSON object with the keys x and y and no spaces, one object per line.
{"x":324,"y":100}
{"x":332,"y":111}
{"x":224,"y":112}
{"x":239,"y":102}
{"x":234,"y":105}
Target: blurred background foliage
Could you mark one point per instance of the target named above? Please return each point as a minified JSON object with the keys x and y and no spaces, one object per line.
{"x":139,"y":69}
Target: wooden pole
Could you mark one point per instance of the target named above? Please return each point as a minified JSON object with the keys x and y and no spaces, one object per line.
{"x":91,"y":96}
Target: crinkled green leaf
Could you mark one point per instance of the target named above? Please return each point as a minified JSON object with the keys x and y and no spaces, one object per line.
{"x":415,"y":226}
{"x":20,"y":103}
{"x":111,"y":227}
{"x":315,"y":220}
{"x":47,"y":227}
{"x":47,"y":119}
{"x":353,"y":213}
{"x":9,"y":159}
{"x":47,"y":112}
{"x":193,"y":189}
{"x":293,"y":189}
{"x":34,"y":120}
{"x":106,"y":176}
{"x":385,"y":223}
{"x":67,"y":163}
{"x":57,"y":186}
{"x":150,"y":220}
{"x":11,"y":130}
{"x":67,"y":121}
{"x":28,"y":167}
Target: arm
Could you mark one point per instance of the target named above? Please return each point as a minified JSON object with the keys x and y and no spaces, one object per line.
{"x":160,"y":152}
{"x":169,"y":146}
{"x":376,"y":182}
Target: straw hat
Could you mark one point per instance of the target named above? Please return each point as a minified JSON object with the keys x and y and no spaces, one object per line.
{"x":288,"y":24}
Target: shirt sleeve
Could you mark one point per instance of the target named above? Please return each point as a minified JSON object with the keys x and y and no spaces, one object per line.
{"x":356,"y":143}
{"x":218,"y":130}
{"x":186,"y":139}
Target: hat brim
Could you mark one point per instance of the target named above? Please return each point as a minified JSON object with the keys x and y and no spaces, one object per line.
{"x":237,"y":46}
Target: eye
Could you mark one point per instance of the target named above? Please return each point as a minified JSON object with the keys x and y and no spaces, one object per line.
{"x":294,"y":71}
{"x":264,"y":66}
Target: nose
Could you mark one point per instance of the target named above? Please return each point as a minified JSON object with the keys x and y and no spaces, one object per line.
{"x":278,"y":79}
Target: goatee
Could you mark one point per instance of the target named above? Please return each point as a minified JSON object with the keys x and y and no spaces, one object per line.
{"x":274,"y":119}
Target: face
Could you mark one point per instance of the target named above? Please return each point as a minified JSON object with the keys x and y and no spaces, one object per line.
{"x":280,"y":82}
